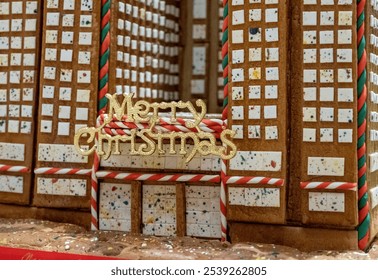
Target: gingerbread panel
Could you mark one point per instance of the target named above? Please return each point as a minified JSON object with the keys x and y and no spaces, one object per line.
{"x":220,"y":86}
{"x":20,"y":23}
{"x":257,"y":108}
{"x":115,"y":207}
{"x":144,"y":49}
{"x":258,"y":203}
{"x":68,"y":95}
{"x":202,"y":211}
{"x":257,"y":87}
{"x":157,"y":162}
{"x":200,"y":49}
{"x":328,"y":107}
{"x":159,"y":210}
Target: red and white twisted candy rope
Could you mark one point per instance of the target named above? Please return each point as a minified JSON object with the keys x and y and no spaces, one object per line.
{"x":62,"y":171}
{"x":13,"y":168}
{"x":329,"y":185}
{"x":157,"y":177}
{"x":167,"y":121}
{"x":115,"y":131}
{"x":254,"y":180}
{"x":223,"y":205}
{"x":164,"y":125}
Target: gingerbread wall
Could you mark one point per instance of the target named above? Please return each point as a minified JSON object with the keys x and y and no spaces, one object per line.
{"x":20,"y":29}
{"x":258,"y":102}
{"x":144,"y":48}
{"x":318,"y":106}
{"x":200,"y":59}
{"x":200,"y":49}
{"x":325,"y":111}
{"x":67,"y":100}
{"x":68,"y":51}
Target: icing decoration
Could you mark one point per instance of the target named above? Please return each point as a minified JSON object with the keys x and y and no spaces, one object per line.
{"x":329,"y":185}
{"x":257,"y":161}
{"x":254,"y":197}
{"x":363,"y":197}
{"x":326,"y":166}
{"x":374,"y":197}
{"x":326,"y":202}
{"x":61,"y":186}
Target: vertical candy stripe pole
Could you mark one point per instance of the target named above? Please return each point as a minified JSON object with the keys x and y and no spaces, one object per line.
{"x":94,"y":193}
{"x":223,"y":207}
{"x":102,"y":101}
{"x":363,"y":199}
{"x":224,"y":117}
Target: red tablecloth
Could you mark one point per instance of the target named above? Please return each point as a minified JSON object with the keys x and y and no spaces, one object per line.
{"x":7,"y":253}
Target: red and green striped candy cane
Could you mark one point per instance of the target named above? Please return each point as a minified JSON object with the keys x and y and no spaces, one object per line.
{"x":363,"y":198}
{"x":104,"y":55}
{"x":225,"y":59}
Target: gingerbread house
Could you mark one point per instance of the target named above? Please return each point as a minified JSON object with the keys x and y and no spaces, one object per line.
{"x":296,"y":81}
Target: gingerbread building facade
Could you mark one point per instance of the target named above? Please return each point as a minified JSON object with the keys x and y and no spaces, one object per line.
{"x":297,"y":82}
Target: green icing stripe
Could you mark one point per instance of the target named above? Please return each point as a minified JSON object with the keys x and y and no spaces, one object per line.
{"x":361,"y":162}
{"x":361,"y":48}
{"x":361,"y":181}
{"x":225,"y":11}
{"x":102,"y":103}
{"x":105,"y":31}
{"x":361,"y":83}
{"x":360,"y":20}
{"x":104,"y":58}
{"x":363,"y":228}
{"x":225,"y":61}
{"x":225,"y":101}
{"x":225,"y":37}
{"x":225,"y":81}
{"x":363,"y":200}
{"x":104,"y":80}
{"x":361,"y":115}
{"x":361,"y":140}
{"x":105,"y":8}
